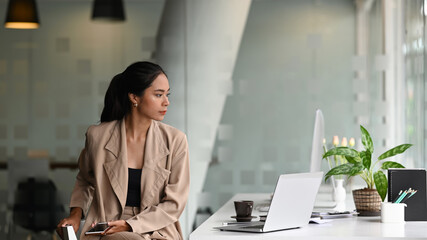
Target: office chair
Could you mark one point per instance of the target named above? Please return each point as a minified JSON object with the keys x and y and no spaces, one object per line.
{"x":28,"y":191}
{"x":3,"y":214}
{"x":37,"y":207}
{"x":20,"y":170}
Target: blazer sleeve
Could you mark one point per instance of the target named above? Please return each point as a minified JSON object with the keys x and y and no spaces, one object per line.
{"x":175,"y":197}
{"x":84,"y":187}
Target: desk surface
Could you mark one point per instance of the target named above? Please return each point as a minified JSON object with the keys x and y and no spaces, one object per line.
{"x":349,"y":228}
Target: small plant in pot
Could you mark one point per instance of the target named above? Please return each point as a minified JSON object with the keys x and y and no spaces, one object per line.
{"x":360,"y":163}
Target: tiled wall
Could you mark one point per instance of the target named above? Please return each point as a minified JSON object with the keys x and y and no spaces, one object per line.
{"x":53,"y":79}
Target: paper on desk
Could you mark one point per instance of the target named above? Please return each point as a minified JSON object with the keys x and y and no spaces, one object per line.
{"x":318,"y":220}
{"x":330,"y":215}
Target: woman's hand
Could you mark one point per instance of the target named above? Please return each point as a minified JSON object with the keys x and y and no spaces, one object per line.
{"x":73,"y":220}
{"x":118,"y":226}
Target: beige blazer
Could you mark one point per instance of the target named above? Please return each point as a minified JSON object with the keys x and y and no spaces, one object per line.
{"x":102,"y":182}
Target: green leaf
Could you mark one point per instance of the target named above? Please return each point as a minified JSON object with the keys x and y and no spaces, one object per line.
{"x":343,"y":169}
{"x":356,"y":169}
{"x":366,"y":139}
{"x":381,"y":184}
{"x":394,"y":151}
{"x":343,"y":151}
{"x":390,"y":164}
{"x":366,"y":157}
{"x":353,"y":160}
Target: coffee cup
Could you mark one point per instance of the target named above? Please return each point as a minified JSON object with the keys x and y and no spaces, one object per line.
{"x":243,"y":208}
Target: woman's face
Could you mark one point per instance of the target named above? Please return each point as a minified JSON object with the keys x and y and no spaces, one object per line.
{"x":154,"y":102}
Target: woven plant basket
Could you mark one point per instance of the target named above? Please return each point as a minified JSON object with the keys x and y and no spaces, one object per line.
{"x":367,"y":202}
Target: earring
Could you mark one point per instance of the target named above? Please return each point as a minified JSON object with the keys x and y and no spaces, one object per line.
{"x":135,"y":104}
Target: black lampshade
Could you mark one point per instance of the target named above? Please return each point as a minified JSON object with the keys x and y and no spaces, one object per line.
{"x":108,"y":10}
{"x":22,"y":14}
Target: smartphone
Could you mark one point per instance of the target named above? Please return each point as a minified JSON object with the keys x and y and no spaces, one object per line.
{"x":98,"y":229}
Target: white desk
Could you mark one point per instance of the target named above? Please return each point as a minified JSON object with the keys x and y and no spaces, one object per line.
{"x":365,"y":228}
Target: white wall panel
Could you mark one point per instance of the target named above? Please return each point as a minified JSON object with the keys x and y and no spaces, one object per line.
{"x":204,"y":43}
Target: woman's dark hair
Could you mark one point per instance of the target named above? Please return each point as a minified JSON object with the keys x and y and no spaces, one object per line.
{"x":135,"y":79}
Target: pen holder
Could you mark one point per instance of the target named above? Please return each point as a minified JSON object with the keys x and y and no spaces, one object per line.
{"x":392,"y":212}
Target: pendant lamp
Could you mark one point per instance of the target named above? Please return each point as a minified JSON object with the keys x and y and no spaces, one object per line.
{"x":22,"y":14}
{"x":108,"y":10}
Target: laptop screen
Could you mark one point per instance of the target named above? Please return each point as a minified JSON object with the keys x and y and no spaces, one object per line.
{"x":293,"y":200}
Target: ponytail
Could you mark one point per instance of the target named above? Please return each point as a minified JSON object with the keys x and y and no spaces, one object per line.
{"x":115,"y":101}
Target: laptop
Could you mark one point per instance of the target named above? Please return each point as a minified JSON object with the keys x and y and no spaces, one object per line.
{"x":291,"y":205}
{"x":68,"y":233}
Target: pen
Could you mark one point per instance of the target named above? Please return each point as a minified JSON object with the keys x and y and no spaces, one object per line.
{"x":412,"y":194}
{"x":406,"y":196}
{"x":401,"y":197}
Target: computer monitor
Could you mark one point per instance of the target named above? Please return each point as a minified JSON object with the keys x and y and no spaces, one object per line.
{"x":317,"y":144}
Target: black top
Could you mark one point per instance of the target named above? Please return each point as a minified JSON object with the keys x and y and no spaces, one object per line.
{"x":134,"y":188}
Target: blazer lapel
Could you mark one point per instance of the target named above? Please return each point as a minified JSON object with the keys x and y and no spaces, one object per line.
{"x":155,"y":146}
{"x":155,"y":149}
{"x":116,"y":164}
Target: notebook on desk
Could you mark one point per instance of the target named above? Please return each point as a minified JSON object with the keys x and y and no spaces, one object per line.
{"x":405,"y":178}
{"x":290,"y":207}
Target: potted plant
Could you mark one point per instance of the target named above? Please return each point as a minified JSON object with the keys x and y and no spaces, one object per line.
{"x":367,"y":200}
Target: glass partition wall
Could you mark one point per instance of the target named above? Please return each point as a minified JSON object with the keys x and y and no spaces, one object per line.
{"x":295,"y":57}
{"x":413,"y":48}
{"x":246,"y":78}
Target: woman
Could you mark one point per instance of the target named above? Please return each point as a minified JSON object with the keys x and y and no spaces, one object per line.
{"x":134,"y":170}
